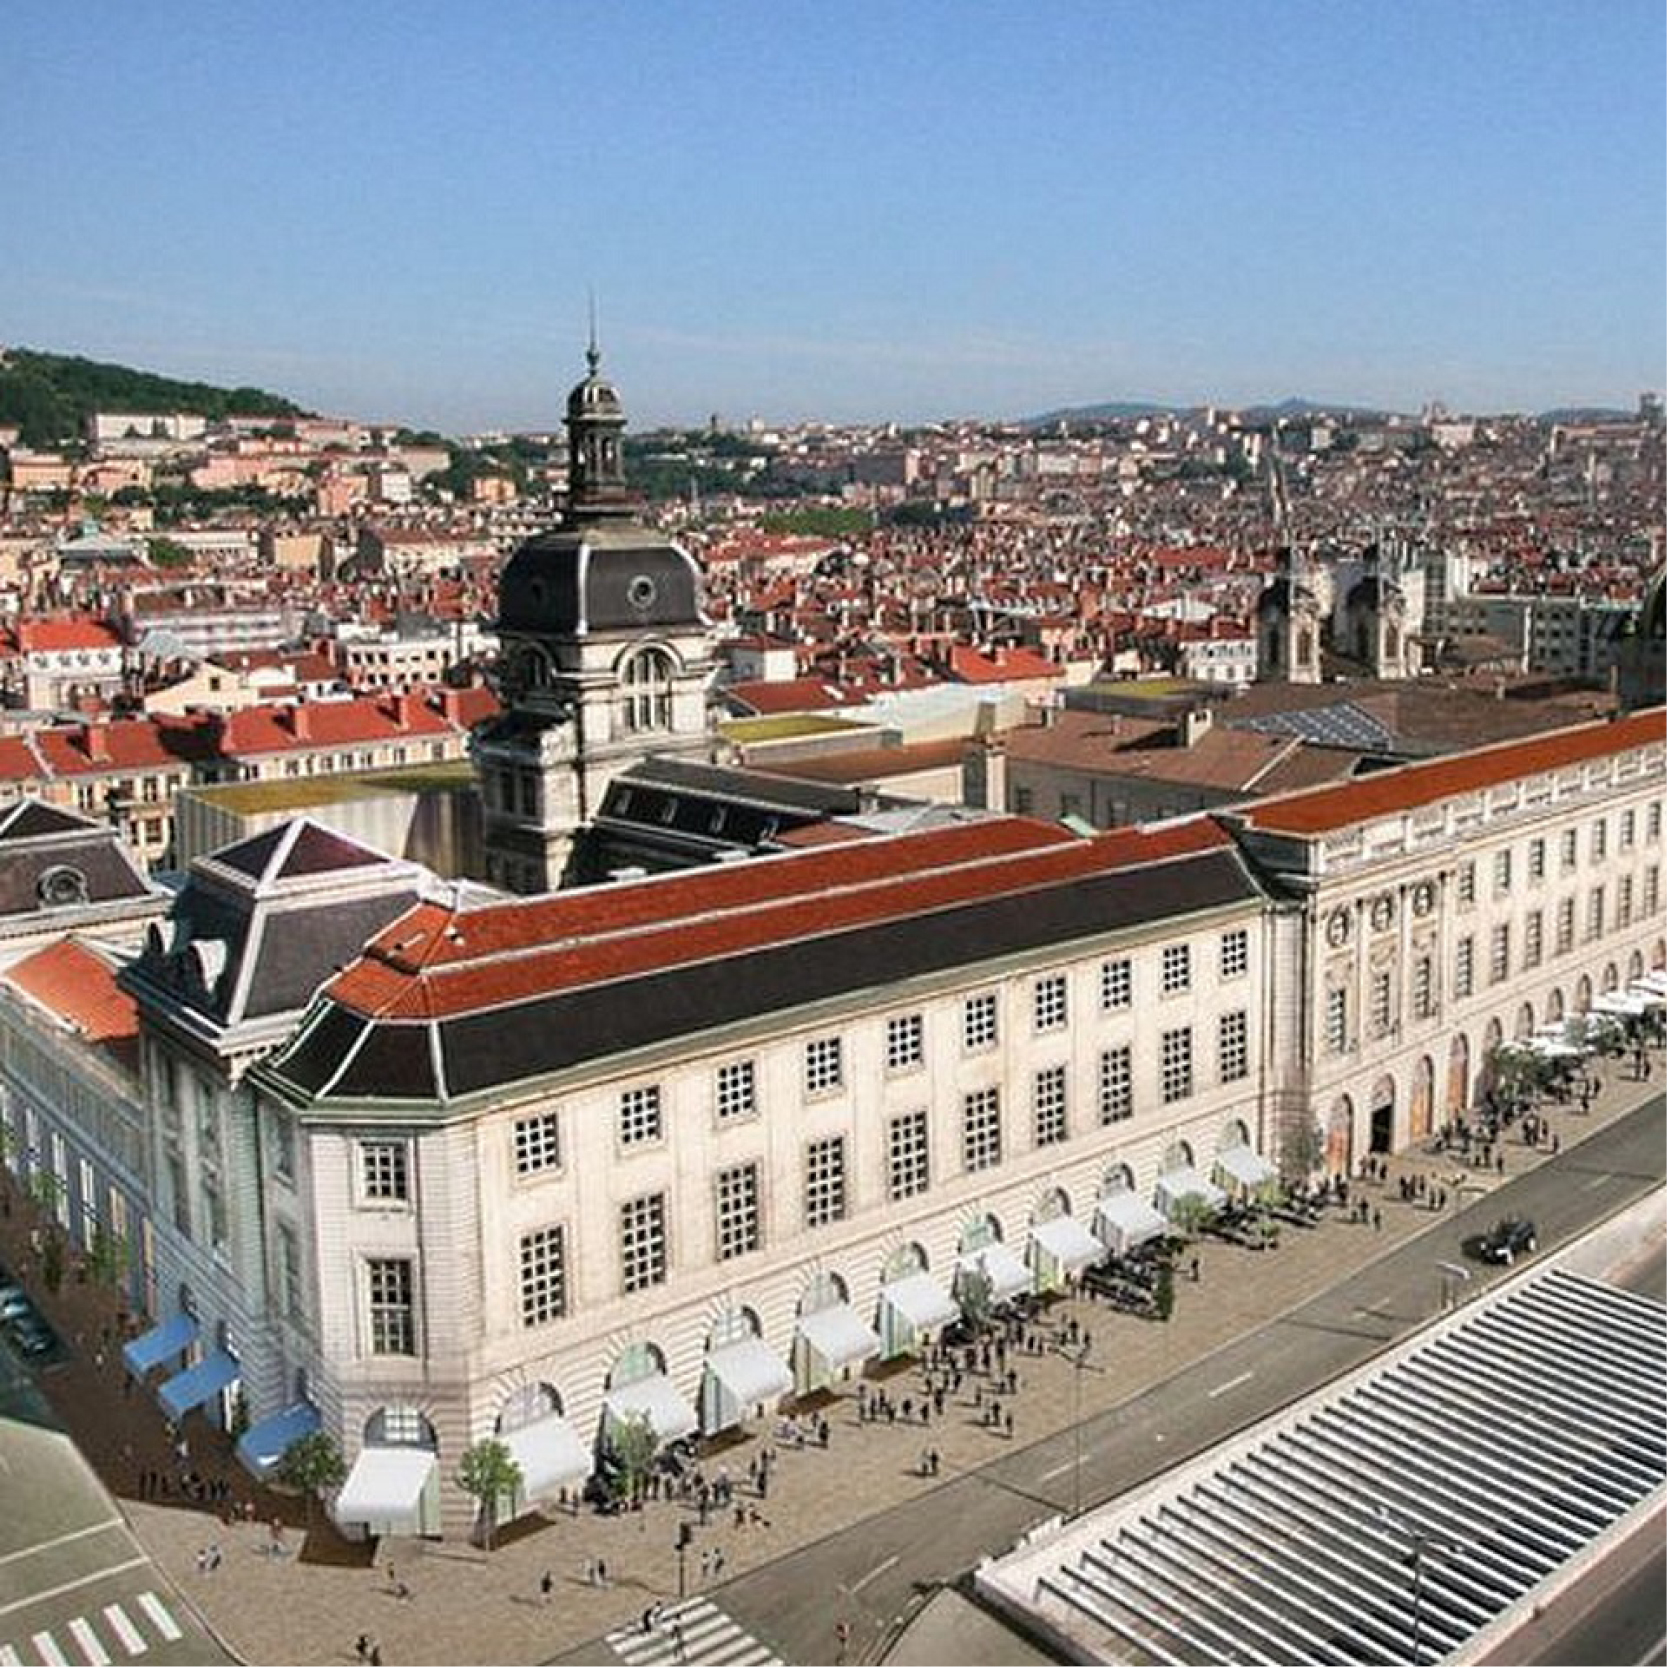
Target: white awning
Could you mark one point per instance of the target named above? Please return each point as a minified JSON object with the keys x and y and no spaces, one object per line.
{"x":1125,"y":1220}
{"x":1245,"y":1166}
{"x":1546,"y":1048}
{"x":1655,"y":981}
{"x":1008,"y":1276}
{"x":1652,"y":995}
{"x":384,"y":1489}
{"x":1185,"y":1182}
{"x":657,"y":1398}
{"x":839,"y":1335}
{"x":550,"y":1454}
{"x":1068,"y":1242}
{"x":1621,"y":1003}
{"x":921,"y":1301}
{"x":750,"y":1370}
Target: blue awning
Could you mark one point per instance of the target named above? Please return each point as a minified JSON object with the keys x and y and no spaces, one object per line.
{"x":197,"y":1384}
{"x":263,"y":1444}
{"x":173,"y":1336}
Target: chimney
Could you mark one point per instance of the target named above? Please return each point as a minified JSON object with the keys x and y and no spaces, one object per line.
{"x":96,"y":739}
{"x":1195,"y":724}
{"x":301,"y":721}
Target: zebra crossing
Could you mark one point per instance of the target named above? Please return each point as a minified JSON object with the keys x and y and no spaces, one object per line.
{"x":697,"y":1632}
{"x":121,"y":1638}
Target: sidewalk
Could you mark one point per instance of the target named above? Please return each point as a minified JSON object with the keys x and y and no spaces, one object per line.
{"x":467,"y":1605}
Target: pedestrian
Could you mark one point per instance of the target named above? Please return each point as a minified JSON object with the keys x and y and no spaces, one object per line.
{"x":842,"y":1636}
{"x":361,"y":1646}
{"x":275,"y":1538}
{"x":546,"y":1585}
{"x":601,"y":1572}
{"x":1499,"y":1161}
{"x":717,"y":1561}
{"x":375,"y":1654}
{"x":1377,"y":1221}
{"x":1193,"y":1270}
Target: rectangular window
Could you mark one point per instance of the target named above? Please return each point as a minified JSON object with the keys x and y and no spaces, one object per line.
{"x":1175,"y":1059}
{"x":1594,"y":913}
{"x":282,"y":1133}
{"x":1629,"y":829}
{"x":1177,"y":968}
{"x":1652,"y":890}
{"x":1623,"y":900}
{"x":290,"y":1292}
{"x":1117,"y":1084}
{"x":642,"y":1242}
{"x":1652,"y":821}
{"x":1571,"y":849}
{"x":1533,"y":939}
{"x":1116,"y":985}
{"x":1235,"y":953}
{"x":1464,"y":968}
{"x":909,"y":1168}
{"x":1382,"y":1001}
{"x":1565,"y":925}
{"x":214,"y":1212}
{"x":1600,"y":839}
{"x":639,"y":1115}
{"x":1467,"y":882}
{"x":1499,"y":954}
{"x":1501,"y":872}
{"x":978,"y":1022}
{"x":905,"y":1041}
{"x":393,"y":1307}
{"x":1233,"y":1046}
{"x":537,"y":1143}
{"x":1536,"y":859}
{"x":1336,"y":1019}
{"x":738,"y":1231}
{"x":1423,"y":987}
{"x":1048,"y":1104}
{"x":1049,"y":1002}
{"x":825,"y":1181}
{"x":981,"y":1129}
{"x":824,"y":1065}
{"x":543,"y":1276}
{"x":737,"y":1090}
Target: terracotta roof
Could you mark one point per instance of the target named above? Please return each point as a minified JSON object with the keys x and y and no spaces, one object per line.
{"x":55,"y":633}
{"x":1387,"y":792}
{"x":436,"y":962}
{"x":76,"y":985}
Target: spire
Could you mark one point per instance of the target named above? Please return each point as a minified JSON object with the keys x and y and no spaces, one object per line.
{"x":593,"y":353}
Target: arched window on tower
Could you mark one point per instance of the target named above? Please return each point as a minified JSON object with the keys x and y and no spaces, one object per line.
{"x":648,"y":678}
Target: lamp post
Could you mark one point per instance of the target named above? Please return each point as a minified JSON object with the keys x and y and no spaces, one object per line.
{"x":1419,"y":1541}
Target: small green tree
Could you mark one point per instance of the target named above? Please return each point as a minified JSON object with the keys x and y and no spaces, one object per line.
{"x":634,"y":1443}
{"x":488,"y":1471}
{"x":975,"y":1290}
{"x":1191,"y":1214}
{"x":311,"y":1464}
{"x":48,"y":1192}
{"x":1163,"y":1292}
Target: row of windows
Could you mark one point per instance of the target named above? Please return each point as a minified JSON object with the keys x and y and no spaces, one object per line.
{"x":1568,"y":849}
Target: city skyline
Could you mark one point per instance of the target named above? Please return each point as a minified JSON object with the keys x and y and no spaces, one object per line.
{"x":868,"y":215}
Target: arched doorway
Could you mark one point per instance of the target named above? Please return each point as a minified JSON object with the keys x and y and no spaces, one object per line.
{"x":913,"y":1304}
{"x":1611,"y":979}
{"x":744,"y":1376}
{"x":547,"y":1450}
{"x":1525,"y":1021}
{"x":1458,"y":1077}
{"x":1423,"y":1099}
{"x":1487,"y":1073}
{"x":1635,"y":966}
{"x":1583,"y":995}
{"x":394,"y":1484}
{"x":1381,"y":1128}
{"x":1554,"y":1006}
{"x":1339,"y":1138}
{"x":831,"y":1338}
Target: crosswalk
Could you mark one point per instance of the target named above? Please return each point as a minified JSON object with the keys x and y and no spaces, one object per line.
{"x":113,"y":1635}
{"x":697,"y":1632}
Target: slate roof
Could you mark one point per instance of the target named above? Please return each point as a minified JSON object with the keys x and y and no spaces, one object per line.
{"x":36,"y":838}
{"x":449,"y":1003}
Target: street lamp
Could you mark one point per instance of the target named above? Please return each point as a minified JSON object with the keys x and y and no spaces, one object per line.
{"x":1419,"y":1541}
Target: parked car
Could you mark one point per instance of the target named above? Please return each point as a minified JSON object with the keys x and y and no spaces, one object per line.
{"x":1508,"y":1238}
{"x":14,"y":1301}
{"x":33,"y":1335}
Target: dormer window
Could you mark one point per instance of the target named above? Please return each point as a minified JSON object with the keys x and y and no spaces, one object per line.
{"x":647,"y":681}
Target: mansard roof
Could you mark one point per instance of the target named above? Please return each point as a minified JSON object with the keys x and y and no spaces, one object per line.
{"x":1413,"y":786}
{"x":450,"y":1002}
{"x":57,"y":860}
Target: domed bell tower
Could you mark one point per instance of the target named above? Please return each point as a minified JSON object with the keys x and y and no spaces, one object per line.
{"x":605,"y":658}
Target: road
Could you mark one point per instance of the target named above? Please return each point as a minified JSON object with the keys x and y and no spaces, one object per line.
{"x":75,"y":1585}
{"x":879,"y":1570}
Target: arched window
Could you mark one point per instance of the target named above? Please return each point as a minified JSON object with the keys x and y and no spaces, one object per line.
{"x":647,"y":683}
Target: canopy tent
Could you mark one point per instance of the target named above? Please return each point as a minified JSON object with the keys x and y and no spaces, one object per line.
{"x":1547,"y":1048}
{"x":1067,"y":1243}
{"x":1655,"y":981}
{"x":1008,"y":1276}
{"x":911,"y":1305}
{"x":263,"y":1445}
{"x":1245,"y":1167}
{"x":1124,"y":1220}
{"x":1186,"y":1182}
{"x":838,"y":1335}
{"x":656,"y":1397}
{"x":550,"y":1454}
{"x":196,"y":1384}
{"x":740,"y":1375}
{"x":1622,"y":1003}
{"x":1651,"y":995}
{"x":391,"y":1490}
{"x":173,"y":1336}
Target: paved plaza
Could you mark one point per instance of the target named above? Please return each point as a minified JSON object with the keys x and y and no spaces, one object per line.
{"x":298,"y":1593}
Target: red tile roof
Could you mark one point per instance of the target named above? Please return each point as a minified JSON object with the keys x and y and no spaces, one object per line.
{"x":53,"y":633}
{"x":435,"y":961}
{"x":1388,"y":792}
{"x":79,"y":987}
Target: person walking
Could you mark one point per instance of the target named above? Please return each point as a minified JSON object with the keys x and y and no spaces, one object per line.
{"x":546,"y":1585}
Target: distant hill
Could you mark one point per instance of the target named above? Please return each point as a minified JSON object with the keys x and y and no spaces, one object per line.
{"x":1116,"y":411}
{"x":1588,"y":414}
{"x":49,"y":395}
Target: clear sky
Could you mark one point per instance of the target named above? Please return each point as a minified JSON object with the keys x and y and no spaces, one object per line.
{"x":862,"y":210}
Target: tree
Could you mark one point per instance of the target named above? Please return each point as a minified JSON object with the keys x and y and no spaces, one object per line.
{"x":1163,"y":1293}
{"x":1191,"y":1214}
{"x":1301,"y":1152}
{"x":488,"y":1471}
{"x":311,"y":1464}
{"x":975,"y":1290}
{"x":634,"y":1445}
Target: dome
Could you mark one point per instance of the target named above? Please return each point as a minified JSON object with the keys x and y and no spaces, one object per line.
{"x":595,"y":399}
{"x":599,"y":577}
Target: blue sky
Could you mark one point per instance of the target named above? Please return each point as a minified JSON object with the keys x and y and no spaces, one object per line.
{"x":906,"y":210}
